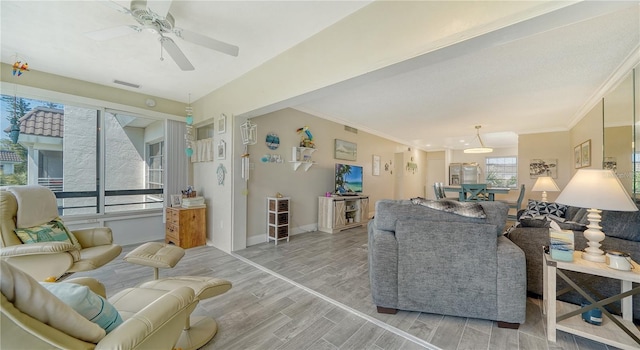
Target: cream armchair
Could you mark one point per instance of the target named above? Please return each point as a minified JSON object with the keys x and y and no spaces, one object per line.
{"x":33,"y":318}
{"x":28,"y":206}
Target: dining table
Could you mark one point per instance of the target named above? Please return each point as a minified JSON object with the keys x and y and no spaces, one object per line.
{"x":491,"y":191}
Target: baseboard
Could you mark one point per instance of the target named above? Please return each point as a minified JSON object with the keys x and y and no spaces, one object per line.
{"x":258,"y":239}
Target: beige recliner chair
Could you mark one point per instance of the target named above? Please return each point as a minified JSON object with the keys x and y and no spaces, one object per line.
{"x":33,"y":318}
{"x":29,"y":206}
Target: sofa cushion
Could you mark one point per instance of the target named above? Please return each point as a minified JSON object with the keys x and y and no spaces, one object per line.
{"x":537,"y":208}
{"x":87,"y":303}
{"x":388,"y":212}
{"x":545,"y":222}
{"x":621,"y":224}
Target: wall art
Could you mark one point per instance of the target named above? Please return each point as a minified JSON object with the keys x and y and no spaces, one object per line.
{"x":222,"y":124}
{"x":345,"y":150}
{"x":585,"y":148}
{"x":543,"y":167}
{"x":222,"y":149}
{"x":376,"y":165}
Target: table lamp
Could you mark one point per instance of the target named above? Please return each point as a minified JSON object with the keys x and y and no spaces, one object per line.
{"x":544,"y":184}
{"x":597,"y":190}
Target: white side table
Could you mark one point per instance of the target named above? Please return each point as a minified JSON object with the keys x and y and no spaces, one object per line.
{"x":616,"y":331}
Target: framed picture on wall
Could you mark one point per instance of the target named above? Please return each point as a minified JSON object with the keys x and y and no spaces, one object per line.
{"x":376,"y":165}
{"x":577,"y":157}
{"x":543,"y":167}
{"x":222,"y":124}
{"x":222,"y":149}
{"x":345,"y":150}
{"x":585,"y":149}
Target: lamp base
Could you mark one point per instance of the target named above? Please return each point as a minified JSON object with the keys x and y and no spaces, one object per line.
{"x":594,"y":257}
{"x":594,"y":235}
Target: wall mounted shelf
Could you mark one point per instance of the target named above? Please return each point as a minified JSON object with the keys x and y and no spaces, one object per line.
{"x":302,"y":156}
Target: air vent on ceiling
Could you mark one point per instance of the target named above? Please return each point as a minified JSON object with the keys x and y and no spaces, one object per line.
{"x":136,"y":86}
{"x":350,"y":129}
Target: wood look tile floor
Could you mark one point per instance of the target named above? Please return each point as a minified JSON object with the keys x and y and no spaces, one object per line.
{"x":313,"y":293}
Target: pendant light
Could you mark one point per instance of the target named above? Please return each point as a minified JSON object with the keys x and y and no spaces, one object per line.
{"x":482,"y":148}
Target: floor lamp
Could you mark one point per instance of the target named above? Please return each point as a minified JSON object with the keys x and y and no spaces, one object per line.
{"x":597,"y":190}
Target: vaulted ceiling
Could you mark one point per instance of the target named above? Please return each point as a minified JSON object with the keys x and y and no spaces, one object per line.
{"x":533,"y":76}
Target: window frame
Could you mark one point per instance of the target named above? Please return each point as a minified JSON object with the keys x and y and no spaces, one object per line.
{"x":505,"y":183}
{"x":101,"y":108}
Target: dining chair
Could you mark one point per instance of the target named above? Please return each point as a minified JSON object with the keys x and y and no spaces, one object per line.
{"x":436,"y":189}
{"x":474,"y":193}
{"x":515,"y":205}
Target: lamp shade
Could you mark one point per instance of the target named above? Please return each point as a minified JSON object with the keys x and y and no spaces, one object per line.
{"x":596,"y":188}
{"x":545,"y":183}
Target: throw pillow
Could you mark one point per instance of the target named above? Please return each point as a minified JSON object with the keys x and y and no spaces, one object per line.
{"x":467,"y":209}
{"x":53,"y":231}
{"x":35,"y":301}
{"x":87,"y":303}
{"x":537,"y":208}
{"x":545,"y":222}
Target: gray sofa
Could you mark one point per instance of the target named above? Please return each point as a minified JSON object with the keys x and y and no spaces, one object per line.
{"x":428,"y":260}
{"x":623,"y":234}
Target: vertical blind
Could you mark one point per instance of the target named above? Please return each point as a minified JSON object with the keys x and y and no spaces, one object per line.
{"x":176,"y":166}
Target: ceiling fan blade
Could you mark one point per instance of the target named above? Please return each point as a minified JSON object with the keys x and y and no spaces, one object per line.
{"x":159,"y":7}
{"x":111,"y":33}
{"x":174,"y":51}
{"x":112,"y":4}
{"x":206,"y":41}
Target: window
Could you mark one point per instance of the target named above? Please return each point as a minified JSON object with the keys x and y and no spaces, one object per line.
{"x":636,"y":174}
{"x":155,"y":165}
{"x":92,"y":169}
{"x":502,"y":171}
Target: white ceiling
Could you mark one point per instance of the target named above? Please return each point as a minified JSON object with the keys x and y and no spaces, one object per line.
{"x":539,"y":80}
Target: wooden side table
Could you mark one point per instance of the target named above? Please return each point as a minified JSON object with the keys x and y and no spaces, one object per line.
{"x":617,"y":331}
{"x":186,"y":227}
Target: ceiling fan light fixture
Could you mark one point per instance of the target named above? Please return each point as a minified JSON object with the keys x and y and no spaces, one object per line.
{"x":482,"y":148}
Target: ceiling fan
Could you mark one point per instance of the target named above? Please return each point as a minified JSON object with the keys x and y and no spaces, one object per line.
{"x":153,"y":16}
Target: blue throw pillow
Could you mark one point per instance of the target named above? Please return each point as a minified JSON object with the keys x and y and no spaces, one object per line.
{"x":87,"y":303}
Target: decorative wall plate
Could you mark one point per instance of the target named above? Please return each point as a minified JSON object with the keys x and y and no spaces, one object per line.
{"x":273,"y":141}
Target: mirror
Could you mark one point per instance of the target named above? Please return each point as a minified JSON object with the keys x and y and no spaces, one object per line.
{"x":620,"y":123}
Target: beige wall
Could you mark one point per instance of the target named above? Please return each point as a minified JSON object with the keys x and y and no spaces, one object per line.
{"x":304,"y":187}
{"x":436,"y":171}
{"x":551,"y":145}
{"x":589,"y":128}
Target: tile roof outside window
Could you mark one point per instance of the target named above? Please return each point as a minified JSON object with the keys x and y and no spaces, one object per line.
{"x":9,"y":156}
{"x":43,"y":121}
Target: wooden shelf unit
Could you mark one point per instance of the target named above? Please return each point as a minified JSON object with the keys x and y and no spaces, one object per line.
{"x":278,"y":216}
{"x":186,"y":227}
{"x":339,"y":213}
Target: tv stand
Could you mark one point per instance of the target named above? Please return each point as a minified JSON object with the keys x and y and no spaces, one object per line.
{"x":337,"y":213}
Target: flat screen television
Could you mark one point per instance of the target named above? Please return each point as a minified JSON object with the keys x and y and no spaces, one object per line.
{"x":348,"y":179}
